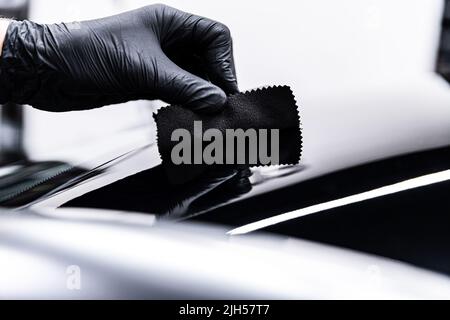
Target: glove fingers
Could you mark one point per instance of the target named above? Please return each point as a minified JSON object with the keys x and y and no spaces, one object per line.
{"x":190,"y":62}
{"x":214,"y":39}
{"x":220,"y":66}
{"x":178,"y":86}
{"x":210,"y":39}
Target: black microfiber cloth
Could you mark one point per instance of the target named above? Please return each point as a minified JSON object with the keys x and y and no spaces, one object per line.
{"x":267,"y":108}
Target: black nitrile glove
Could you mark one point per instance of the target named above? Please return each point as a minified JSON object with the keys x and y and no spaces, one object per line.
{"x":155,"y":52}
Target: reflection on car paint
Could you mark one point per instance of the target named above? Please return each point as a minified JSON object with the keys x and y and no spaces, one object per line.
{"x":151,"y":192}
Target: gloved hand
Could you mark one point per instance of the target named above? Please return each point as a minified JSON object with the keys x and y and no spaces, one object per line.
{"x":155,"y":52}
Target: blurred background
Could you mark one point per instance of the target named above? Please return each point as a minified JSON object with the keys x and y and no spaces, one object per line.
{"x":345,"y":59}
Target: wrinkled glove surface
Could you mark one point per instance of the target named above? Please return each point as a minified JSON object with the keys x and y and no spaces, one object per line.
{"x":155,"y":52}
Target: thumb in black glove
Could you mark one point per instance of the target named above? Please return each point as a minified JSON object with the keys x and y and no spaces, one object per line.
{"x":155,"y":52}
